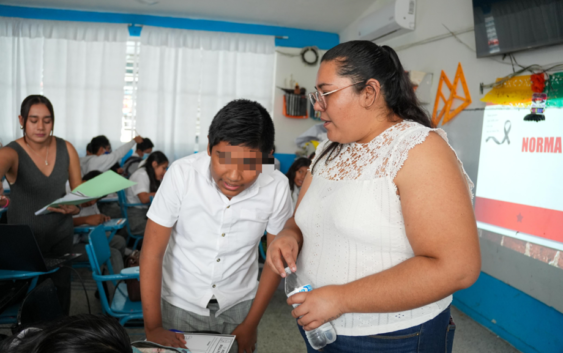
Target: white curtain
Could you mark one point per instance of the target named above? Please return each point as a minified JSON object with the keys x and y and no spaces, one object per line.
{"x":21,"y":65}
{"x":78,"y":66}
{"x":186,"y":77}
{"x":84,"y":76}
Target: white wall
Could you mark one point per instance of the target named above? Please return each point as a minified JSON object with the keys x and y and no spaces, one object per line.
{"x":445,"y":54}
{"x":288,"y":129}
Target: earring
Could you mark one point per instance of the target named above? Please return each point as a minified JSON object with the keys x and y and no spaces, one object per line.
{"x":21,"y":127}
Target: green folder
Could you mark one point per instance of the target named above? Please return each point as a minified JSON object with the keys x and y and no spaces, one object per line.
{"x":100,"y":186}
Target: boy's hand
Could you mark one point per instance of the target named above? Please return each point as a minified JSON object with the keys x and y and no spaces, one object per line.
{"x":96,"y":219}
{"x":65,"y":209}
{"x":284,"y":248}
{"x":246,"y":337}
{"x":166,"y":338}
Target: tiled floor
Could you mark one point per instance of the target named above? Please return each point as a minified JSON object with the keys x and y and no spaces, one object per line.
{"x":278,"y":332}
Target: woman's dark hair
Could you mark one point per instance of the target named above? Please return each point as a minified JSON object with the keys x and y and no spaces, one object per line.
{"x":243,"y":123}
{"x":91,"y":175}
{"x":97,"y":142}
{"x":159,"y":158}
{"x":300,"y":162}
{"x":72,"y":334}
{"x":145,"y":145}
{"x":361,"y":60}
{"x":30,"y":101}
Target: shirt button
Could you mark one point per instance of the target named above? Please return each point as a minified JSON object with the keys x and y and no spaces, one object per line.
{"x":213,"y":286}
{"x":223,"y":235}
{"x":229,"y":206}
{"x":218,"y":260}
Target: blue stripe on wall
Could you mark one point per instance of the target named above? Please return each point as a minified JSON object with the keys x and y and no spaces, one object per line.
{"x":297,"y":38}
{"x":525,"y":322}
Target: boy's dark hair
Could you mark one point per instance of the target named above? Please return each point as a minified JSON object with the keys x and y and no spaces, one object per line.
{"x":243,"y":123}
{"x":145,"y":145}
{"x":97,"y":142}
{"x":300,"y":162}
{"x":72,"y":334}
{"x":91,"y":175}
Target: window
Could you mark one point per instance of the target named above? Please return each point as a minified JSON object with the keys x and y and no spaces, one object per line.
{"x":130,"y":90}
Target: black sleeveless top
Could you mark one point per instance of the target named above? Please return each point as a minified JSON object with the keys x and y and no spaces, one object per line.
{"x":33,"y":191}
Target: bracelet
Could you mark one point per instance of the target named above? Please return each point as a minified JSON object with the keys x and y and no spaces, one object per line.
{"x":7,"y":202}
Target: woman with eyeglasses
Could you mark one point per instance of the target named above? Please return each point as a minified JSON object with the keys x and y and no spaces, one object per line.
{"x":384,"y":225}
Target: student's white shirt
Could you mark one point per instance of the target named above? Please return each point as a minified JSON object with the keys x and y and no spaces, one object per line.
{"x":213,"y":247}
{"x":84,"y":212}
{"x":105,"y":161}
{"x":141,"y":177}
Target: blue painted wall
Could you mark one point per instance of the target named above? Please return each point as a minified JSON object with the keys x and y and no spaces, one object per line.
{"x":286,"y":160}
{"x":528,"y":324}
{"x":297,"y":38}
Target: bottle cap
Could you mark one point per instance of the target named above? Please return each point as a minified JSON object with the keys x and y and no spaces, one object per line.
{"x":288,"y":271}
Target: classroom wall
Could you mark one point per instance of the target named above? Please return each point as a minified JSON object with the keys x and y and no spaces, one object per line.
{"x":288,"y":129}
{"x":517,"y":296}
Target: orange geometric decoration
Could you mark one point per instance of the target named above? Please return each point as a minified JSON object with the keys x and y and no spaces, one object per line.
{"x":446,"y":113}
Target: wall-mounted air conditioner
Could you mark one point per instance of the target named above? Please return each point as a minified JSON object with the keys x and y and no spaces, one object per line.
{"x":392,"y":20}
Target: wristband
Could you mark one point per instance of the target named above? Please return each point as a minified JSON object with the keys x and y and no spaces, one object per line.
{"x":7,"y":202}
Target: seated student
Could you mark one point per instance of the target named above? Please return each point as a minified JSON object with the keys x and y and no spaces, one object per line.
{"x":141,"y":152}
{"x":90,"y":215}
{"x":71,"y":334}
{"x":296,"y":176}
{"x":102,"y":158}
{"x":210,"y":213}
{"x":148,"y":178}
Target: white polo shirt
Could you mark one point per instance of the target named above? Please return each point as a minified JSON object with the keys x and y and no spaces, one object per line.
{"x":213,"y":248}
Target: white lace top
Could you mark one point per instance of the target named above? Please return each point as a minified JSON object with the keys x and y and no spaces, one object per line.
{"x":353,"y":225}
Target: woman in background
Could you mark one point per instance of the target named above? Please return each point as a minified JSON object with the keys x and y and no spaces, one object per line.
{"x":296,"y":176}
{"x":37,"y":166}
{"x":148,"y":178}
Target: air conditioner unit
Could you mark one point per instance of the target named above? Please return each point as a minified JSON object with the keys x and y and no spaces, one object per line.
{"x":390,"y":21}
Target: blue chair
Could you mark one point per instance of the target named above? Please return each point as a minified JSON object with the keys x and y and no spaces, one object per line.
{"x":112,"y":226}
{"x":124,"y":206}
{"x":126,"y":157}
{"x":99,"y":254}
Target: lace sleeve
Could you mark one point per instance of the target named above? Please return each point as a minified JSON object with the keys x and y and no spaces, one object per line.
{"x":407,"y":142}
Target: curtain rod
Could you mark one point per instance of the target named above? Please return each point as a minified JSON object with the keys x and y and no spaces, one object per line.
{"x":136,"y":25}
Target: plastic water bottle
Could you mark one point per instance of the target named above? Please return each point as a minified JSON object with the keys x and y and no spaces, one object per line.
{"x":321,"y":336}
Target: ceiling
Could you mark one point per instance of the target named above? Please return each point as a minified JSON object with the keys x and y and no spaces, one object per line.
{"x":321,"y":15}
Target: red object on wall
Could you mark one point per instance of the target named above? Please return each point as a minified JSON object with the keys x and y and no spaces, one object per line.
{"x":538,"y":82}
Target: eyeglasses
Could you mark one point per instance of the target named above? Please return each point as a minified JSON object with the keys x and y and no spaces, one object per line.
{"x":315,"y":97}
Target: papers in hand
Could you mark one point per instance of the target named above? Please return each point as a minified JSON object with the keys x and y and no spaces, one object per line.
{"x":106,"y":183}
{"x":196,"y":343}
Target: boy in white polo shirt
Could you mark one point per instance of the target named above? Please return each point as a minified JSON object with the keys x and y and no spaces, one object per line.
{"x":199,"y":264}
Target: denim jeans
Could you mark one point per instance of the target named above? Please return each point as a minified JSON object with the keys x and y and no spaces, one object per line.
{"x":434,"y":336}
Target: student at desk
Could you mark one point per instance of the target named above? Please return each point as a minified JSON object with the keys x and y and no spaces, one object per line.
{"x":90,"y":215}
{"x":102,"y":157}
{"x":143,"y":150}
{"x":210,"y":213}
{"x":37,"y":166}
{"x":148,"y":179}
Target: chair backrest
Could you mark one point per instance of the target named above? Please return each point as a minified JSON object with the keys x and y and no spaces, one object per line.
{"x":98,"y":250}
{"x":126,"y":157}
{"x":122,"y":200}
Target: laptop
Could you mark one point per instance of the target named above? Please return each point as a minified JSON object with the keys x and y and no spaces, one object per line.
{"x":19,"y":251}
